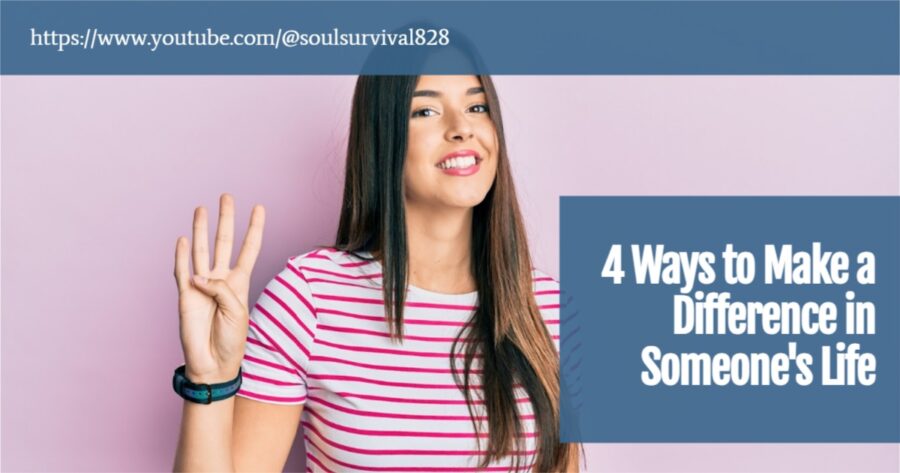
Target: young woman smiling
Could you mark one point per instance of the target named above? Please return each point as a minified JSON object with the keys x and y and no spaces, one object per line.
{"x":422,"y":340}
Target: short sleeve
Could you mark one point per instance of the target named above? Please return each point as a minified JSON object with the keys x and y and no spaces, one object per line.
{"x":279,"y":340}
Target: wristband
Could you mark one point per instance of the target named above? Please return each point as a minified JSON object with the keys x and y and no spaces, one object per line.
{"x":204,"y":393}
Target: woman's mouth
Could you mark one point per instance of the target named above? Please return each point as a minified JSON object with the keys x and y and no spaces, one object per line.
{"x":460,"y":164}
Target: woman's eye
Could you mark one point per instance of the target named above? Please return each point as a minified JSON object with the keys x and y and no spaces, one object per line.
{"x":429,"y":112}
{"x":425,"y":112}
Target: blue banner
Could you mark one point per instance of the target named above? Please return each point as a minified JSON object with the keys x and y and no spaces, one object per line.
{"x":499,"y":37}
{"x":730,"y":319}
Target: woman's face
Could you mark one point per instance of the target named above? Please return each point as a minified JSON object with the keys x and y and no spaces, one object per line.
{"x":451,"y":158}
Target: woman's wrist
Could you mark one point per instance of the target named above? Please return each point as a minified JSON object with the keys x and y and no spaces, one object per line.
{"x":204,"y":389}
{"x":210,"y":377}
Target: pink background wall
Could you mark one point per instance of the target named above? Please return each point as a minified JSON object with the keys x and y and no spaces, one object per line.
{"x":100,"y":175}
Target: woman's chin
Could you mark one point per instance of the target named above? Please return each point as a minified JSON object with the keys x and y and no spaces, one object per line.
{"x":456,"y":201}
{"x":465,"y":203}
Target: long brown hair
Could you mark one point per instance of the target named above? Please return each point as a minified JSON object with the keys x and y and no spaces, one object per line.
{"x":506,"y":329}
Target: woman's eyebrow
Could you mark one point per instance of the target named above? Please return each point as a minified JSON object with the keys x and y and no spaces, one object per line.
{"x":434,"y":93}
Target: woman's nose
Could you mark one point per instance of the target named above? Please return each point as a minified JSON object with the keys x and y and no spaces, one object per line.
{"x":458,"y":128}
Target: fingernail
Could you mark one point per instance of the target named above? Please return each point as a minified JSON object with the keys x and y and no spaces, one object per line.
{"x":199,"y":279}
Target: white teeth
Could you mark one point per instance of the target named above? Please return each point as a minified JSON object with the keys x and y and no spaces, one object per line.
{"x":458,"y":163}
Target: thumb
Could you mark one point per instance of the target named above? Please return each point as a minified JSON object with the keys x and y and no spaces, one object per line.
{"x":219,"y":290}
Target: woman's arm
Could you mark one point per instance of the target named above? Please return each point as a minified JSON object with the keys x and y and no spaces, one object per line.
{"x":263,"y":434}
{"x":206,"y":436}
{"x":236,"y":434}
{"x":213,"y":326}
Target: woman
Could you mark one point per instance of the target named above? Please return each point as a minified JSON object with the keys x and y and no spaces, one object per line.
{"x":418,"y":342}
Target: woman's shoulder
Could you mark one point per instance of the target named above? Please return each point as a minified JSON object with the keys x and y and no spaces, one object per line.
{"x":542,"y":281}
{"x":547,"y":296}
{"x":546,"y":291}
{"x":333,"y":262}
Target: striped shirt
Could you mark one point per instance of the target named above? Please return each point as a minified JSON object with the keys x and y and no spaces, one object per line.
{"x":318,"y":337}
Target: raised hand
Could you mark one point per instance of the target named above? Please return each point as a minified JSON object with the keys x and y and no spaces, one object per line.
{"x":213,"y":303}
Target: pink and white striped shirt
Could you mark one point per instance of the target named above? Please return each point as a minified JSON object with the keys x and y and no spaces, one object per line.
{"x":318,"y":337}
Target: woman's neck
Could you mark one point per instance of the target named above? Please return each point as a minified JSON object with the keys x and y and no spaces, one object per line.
{"x":440,"y":249}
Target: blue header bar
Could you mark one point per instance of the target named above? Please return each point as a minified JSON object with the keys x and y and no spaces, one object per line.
{"x":504,"y":37}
